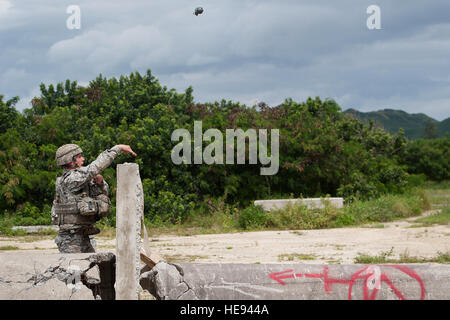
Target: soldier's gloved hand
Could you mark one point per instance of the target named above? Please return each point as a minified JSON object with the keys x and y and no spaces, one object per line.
{"x":127,"y":149}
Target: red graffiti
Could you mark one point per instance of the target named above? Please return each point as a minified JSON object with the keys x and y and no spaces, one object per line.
{"x":371,"y":275}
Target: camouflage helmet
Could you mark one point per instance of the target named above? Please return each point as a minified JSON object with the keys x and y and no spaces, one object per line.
{"x":65,"y":154}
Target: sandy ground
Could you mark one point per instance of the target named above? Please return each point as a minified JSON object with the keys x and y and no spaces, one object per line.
{"x":328,"y":246}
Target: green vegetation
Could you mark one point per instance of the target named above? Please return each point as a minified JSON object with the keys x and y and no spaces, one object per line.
{"x":385,"y":257}
{"x":7,"y":248}
{"x":383,"y":209}
{"x":6,"y":225}
{"x":296,"y":256}
{"x":322,"y":152}
{"x":441,"y":217}
{"x":429,"y":157}
{"x":294,"y":217}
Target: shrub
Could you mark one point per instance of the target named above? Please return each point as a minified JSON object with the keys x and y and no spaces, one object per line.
{"x":416,"y":180}
{"x":385,"y":208}
{"x":252,"y":217}
{"x":298,"y":216}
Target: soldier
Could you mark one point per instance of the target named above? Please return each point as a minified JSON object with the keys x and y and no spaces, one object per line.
{"x":81,"y":196}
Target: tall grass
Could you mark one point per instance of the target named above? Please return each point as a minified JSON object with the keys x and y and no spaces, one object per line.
{"x":384,"y":209}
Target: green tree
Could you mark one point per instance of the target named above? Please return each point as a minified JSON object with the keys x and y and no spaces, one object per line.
{"x":8,"y":114}
{"x":430,"y":131}
{"x":430,"y":157}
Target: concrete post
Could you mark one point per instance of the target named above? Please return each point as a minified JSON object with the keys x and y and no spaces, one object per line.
{"x":129,"y":210}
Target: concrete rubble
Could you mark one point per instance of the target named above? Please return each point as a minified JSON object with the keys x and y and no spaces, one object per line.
{"x":83,"y":276}
{"x":165,"y":281}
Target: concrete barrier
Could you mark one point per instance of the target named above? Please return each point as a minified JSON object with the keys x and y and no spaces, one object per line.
{"x":191,"y":281}
{"x":310,"y":203}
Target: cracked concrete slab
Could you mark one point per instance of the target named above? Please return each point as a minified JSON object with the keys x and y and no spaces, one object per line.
{"x":52,"y":276}
{"x":188,"y":281}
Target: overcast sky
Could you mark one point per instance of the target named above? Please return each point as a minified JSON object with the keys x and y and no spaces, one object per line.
{"x":246,"y":51}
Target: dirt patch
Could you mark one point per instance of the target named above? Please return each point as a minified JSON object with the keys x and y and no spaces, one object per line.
{"x":327,"y":246}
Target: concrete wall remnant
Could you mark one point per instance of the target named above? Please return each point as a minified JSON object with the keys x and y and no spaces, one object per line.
{"x":310,"y":203}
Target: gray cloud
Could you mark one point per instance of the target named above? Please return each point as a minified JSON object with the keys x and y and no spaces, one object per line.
{"x":246,"y":51}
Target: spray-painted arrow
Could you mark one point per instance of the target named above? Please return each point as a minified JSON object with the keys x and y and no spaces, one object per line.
{"x":277,"y":276}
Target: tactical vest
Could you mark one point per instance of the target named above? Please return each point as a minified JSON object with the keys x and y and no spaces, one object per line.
{"x":77,"y":207}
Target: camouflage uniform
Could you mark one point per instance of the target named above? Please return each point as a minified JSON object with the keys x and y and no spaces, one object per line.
{"x":80,"y":202}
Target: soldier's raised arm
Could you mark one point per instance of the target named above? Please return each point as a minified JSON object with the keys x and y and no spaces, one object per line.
{"x":84,"y":175}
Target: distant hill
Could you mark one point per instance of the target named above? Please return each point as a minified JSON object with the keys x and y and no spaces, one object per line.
{"x":444,"y":126}
{"x":392,"y":120}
